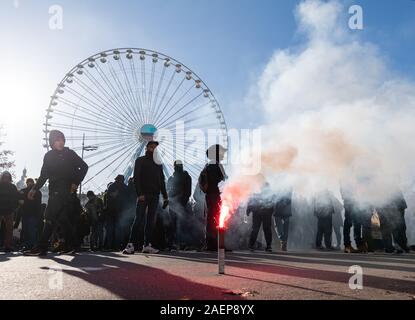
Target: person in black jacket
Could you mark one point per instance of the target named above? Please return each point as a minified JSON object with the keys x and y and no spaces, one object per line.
{"x":324,"y":210}
{"x":262,"y":206}
{"x":179,"y":187}
{"x":9,"y":201}
{"x":95,"y":212}
{"x":283,"y":213}
{"x":29,"y":214}
{"x":149,"y":183}
{"x":65,"y":170}
{"x":214,"y":173}
{"x":117,"y":197}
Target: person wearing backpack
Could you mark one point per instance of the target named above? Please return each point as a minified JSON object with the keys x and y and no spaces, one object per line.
{"x":209,"y":180}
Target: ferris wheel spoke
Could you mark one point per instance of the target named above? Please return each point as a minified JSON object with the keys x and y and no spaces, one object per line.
{"x":103,"y":144}
{"x":81,"y":128}
{"x":150,"y":93}
{"x":170,"y":99}
{"x":130,"y":91}
{"x":187,"y":156}
{"x":86,"y":120}
{"x":115,"y":104}
{"x":111,"y":155}
{"x":183,"y":116}
{"x":181,"y":109}
{"x":175,"y":104}
{"x":157,"y":93}
{"x":125,"y":97}
{"x":107,"y":166}
{"x":97,"y":114}
{"x":188,"y":168}
{"x":186,"y":121}
{"x":122,"y":105}
{"x":111,"y":102}
{"x":136,"y":91}
{"x":164,"y":95}
{"x":120,"y":163}
{"x":143,"y":87}
{"x":113,"y":146}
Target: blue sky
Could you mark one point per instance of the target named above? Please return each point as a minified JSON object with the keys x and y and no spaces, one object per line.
{"x":227,"y":42}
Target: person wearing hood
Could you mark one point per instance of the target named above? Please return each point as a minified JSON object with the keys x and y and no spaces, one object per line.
{"x":9,"y":201}
{"x":179,"y":187}
{"x":262,"y":207}
{"x":149,"y":183}
{"x":117,"y":197}
{"x":324,"y":211}
{"x":209,"y":180}
{"x":65,"y":170}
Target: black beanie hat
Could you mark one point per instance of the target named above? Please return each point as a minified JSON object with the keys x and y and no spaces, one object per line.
{"x":55,"y":135}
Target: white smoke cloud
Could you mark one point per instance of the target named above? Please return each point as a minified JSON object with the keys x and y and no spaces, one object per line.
{"x":336,"y":112}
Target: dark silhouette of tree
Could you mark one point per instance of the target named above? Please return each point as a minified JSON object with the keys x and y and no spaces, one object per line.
{"x":5,"y":162}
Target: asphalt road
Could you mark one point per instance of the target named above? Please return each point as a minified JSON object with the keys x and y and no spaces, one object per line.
{"x":192,"y":275}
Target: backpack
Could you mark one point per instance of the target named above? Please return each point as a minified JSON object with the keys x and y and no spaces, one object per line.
{"x":203,"y":180}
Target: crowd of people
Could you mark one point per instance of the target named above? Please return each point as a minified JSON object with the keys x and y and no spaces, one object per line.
{"x":146,"y":214}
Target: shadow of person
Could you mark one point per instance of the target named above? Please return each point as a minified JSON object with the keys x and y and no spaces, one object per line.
{"x":134,"y":281}
{"x":313,"y":273}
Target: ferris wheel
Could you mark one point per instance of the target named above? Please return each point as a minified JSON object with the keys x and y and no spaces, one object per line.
{"x":112,"y":103}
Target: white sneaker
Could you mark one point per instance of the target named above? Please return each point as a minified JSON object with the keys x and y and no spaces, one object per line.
{"x":150,"y":249}
{"x":129,"y":249}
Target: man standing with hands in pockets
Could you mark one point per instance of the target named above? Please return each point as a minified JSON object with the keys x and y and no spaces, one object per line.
{"x":149,"y":182}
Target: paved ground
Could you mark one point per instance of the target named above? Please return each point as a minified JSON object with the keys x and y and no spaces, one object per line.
{"x":191,"y":275}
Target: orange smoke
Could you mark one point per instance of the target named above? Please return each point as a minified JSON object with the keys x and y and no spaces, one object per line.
{"x":235,"y":193}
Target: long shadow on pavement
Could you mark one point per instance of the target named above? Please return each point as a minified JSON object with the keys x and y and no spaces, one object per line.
{"x":134,"y":281}
{"x":241,"y":261}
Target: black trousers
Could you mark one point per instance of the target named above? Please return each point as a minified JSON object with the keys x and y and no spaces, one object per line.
{"x":283,"y":225}
{"x":265,"y":220}
{"x":392,"y":224}
{"x":58,"y":214}
{"x":213,"y":203}
{"x":145,"y":219}
{"x":350,"y":221}
{"x":324,"y":229}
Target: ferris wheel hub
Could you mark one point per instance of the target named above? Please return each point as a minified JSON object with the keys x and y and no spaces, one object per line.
{"x":147,"y":132}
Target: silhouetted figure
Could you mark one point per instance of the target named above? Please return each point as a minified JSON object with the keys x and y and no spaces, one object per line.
{"x":64,"y":169}
{"x":9,"y":198}
{"x":117,"y":195}
{"x":179,"y":188}
{"x":29,"y":214}
{"x":283,"y":213}
{"x":95,"y":212}
{"x":392,"y":223}
{"x":149,"y":183}
{"x":262,"y":206}
{"x":209,"y":180}
{"x":324,"y":210}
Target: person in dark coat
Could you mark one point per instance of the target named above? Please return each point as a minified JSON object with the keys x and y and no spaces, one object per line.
{"x":209,"y":180}
{"x":95,"y":212}
{"x":283,"y":213}
{"x":29,"y":214}
{"x":392,"y":223}
{"x":117,"y":196}
{"x":179,"y":188}
{"x":9,"y":201}
{"x":324,"y":210}
{"x":75,"y":219}
{"x":262,"y":206}
{"x":149,"y":183}
{"x":65,"y":170}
